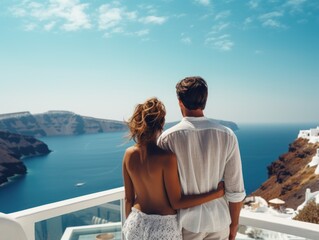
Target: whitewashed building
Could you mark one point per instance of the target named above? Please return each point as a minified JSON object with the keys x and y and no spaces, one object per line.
{"x":312,"y":134}
{"x":315,"y":162}
{"x":309,"y":196}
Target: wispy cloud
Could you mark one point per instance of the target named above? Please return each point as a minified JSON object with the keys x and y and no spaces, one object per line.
{"x":185,"y":39}
{"x":271,"y":15}
{"x":149,"y":9}
{"x":18,"y":11}
{"x":109,"y":17}
{"x":203,"y":2}
{"x":295,"y":6}
{"x":271,"y":19}
{"x":219,"y":27}
{"x":217,"y":38}
{"x":76,"y":18}
{"x":153,"y":20}
{"x":49,"y":26}
{"x":180,"y":15}
{"x":115,"y":18}
{"x":253,"y":4}
{"x":70,"y":13}
{"x":248,"y":21}
{"x":222,"y":43}
{"x":143,"y":32}
{"x":151,"y":15}
{"x":118,"y":30}
{"x":295,"y":2}
{"x":222,"y":15}
{"x":30,"y":27}
{"x":272,"y":23}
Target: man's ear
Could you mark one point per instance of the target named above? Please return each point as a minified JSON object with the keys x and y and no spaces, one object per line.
{"x":182,"y":107}
{"x":180,"y":103}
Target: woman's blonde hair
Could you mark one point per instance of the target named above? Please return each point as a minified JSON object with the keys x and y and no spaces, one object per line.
{"x":147,"y":120}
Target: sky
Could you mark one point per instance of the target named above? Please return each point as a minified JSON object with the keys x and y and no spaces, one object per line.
{"x":98,"y":58}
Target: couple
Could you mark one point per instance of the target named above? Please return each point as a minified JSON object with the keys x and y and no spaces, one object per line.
{"x":181,"y":169}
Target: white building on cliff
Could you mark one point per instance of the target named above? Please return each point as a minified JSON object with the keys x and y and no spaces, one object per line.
{"x":309,"y":196}
{"x":312,"y":134}
{"x":315,"y":162}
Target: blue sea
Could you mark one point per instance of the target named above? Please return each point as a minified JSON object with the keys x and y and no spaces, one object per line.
{"x":95,"y":162}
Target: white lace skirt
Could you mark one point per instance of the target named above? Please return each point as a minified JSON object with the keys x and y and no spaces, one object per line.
{"x":141,"y":226}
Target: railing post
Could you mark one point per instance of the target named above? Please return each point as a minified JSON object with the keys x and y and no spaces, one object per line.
{"x":29,"y":228}
{"x":123,"y":218}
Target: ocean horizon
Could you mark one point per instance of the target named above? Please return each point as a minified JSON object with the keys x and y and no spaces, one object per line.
{"x":84,"y":164}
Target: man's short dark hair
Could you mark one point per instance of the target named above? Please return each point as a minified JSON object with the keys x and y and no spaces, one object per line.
{"x":192,"y":91}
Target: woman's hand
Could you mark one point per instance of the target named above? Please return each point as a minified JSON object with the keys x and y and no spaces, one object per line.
{"x":221,"y":189}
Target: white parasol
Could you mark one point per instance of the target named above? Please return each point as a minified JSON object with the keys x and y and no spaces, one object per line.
{"x":276,"y":201}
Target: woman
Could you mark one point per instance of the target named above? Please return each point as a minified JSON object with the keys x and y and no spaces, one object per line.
{"x":152,"y":188}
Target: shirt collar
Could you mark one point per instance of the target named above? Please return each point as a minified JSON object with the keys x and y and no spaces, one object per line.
{"x":194,"y":118}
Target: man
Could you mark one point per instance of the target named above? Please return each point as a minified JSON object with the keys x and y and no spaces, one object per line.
{"x":207,"y":153}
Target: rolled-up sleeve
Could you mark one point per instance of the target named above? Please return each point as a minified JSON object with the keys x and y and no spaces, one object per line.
{"x":233,"y":174}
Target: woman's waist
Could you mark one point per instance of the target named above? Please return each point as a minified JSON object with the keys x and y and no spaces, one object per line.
{"x":153,"y":214}
{"x":154,"y":209}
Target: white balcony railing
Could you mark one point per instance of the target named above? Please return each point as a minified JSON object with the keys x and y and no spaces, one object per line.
{"x":30,"y":217}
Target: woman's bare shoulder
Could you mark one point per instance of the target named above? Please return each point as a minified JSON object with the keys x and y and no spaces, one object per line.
{"x":131,"y":149}
{"x":130,"y":152}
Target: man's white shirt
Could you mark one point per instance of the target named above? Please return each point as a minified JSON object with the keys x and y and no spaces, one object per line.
{"x":206,"y":153}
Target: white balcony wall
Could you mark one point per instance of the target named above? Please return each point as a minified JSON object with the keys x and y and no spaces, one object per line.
{"x":27,"y":218}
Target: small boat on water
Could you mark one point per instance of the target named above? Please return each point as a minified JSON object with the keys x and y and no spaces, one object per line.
{"x":80,"y":184}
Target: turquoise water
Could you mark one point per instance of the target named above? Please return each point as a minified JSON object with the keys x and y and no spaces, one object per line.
{"x":96,"y":161}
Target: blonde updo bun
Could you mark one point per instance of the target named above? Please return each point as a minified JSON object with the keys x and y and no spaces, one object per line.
{"x":147,"y":120}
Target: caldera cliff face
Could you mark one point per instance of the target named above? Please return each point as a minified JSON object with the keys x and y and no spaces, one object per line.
{"x":56,"y":123}
{"x":289,"y":176}
{"x":12,"y":148}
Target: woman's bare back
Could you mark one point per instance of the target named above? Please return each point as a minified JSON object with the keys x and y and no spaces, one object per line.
{"x":145,"y":168}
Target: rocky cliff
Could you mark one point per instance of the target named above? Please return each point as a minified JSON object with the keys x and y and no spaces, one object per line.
{"x":289,"y":176}
{"x":12,"y":148}
{"x":55,"y":123}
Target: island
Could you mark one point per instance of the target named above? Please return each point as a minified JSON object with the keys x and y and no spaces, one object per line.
{"x":56,"y":123}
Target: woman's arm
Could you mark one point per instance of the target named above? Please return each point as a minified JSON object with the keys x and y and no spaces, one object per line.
{"x":128,"y":186}
{"x":174,"y":191}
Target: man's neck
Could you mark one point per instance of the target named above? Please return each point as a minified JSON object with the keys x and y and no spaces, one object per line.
{"x":193,"y":113}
